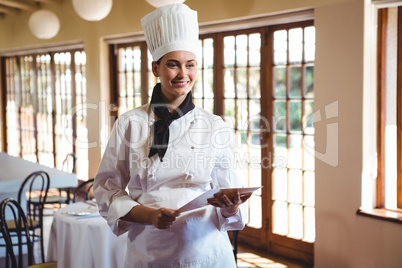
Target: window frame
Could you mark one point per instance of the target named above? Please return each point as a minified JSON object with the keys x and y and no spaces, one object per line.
{"x":380,"y":211}
{"x":34,"y":53}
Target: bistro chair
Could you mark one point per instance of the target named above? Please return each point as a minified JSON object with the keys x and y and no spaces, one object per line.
{"x":15,"y":229}
{"x":63,"y":195}
{"x":84,"y":191}
{"x":235,"y":234}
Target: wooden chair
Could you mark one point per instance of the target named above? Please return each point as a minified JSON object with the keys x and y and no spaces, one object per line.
{"x":16,"y":232}
{"x":84,"y":189}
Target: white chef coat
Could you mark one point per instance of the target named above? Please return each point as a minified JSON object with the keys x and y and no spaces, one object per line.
{"x":199,"y":157}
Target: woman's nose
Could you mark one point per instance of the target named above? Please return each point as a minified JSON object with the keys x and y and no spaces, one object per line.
{"x":182,"y":71}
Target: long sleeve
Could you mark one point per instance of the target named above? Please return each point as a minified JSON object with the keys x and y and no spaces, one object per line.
{"x":224,"y":175}
{"x":111,"y":181}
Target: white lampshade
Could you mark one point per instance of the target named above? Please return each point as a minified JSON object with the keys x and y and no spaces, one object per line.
{"x":44,"y":24}
{"x":159,"y":3}
{"x":93,"y":10}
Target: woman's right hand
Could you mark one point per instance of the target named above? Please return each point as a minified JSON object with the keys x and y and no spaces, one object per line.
{"x":163,"y":218}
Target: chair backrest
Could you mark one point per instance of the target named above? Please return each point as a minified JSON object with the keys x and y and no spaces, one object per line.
{"x":69,"y":163}
{"x":84,"y":188}
{"x":16,"y":223}
{"x":35,"y":188}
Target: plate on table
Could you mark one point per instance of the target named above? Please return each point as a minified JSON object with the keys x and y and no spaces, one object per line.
{"x":83,"y":212}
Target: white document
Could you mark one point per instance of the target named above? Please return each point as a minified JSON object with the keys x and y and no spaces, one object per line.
{"x":202,"y":200}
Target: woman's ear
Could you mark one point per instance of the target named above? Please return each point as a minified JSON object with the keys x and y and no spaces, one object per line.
{"x":155,"y":69}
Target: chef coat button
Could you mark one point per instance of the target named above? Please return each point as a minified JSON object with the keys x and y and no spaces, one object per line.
{"x":192,"y":147}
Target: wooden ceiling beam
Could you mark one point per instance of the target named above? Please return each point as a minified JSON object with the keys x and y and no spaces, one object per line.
{"x":7,"y":10}
{"x":18,"y":4}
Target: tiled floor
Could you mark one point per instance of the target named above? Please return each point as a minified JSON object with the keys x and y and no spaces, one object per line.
{"x":246,"y":258}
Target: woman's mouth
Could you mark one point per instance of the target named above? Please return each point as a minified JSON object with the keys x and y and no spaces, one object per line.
{"x":180,"y":83}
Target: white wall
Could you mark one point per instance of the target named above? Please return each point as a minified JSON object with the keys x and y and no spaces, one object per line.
{"x":342,"y":74}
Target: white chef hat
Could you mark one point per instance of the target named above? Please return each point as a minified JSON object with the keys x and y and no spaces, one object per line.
{"x":171,"y":28}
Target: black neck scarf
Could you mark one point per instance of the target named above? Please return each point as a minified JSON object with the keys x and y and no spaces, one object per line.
{"x":160,"y":128}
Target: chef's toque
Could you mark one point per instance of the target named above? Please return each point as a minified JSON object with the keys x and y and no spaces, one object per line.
{"x":171,"y":28}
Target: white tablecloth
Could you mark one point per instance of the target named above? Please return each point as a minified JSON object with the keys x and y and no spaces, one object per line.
{"x":14,"y":171}
{"x":77,"y":241}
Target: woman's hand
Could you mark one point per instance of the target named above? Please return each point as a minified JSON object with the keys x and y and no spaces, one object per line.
{"x":163,"y":218}
{"x":229,"y":207}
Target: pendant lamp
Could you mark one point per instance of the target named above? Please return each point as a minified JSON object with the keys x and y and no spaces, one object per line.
{"x":92,"y":10}
{"x":44,"y":24}
{"x":159,"y":3}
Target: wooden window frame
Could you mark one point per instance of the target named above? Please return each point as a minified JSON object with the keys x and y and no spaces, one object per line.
{"x":34,"y":67}
{"x":380,"y":211}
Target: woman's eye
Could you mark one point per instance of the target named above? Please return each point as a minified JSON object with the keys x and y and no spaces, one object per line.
{"x":171,"y":65}
{"x":190,"y":65}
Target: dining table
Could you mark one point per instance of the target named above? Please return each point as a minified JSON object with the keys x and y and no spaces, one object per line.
{"x":80,"y":237}
{"x":14,"y":170}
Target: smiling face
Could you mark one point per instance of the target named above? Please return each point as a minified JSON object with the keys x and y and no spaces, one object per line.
{"x":177,"y":72}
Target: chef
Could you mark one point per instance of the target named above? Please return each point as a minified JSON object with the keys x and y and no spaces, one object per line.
{"x":162,"y":155}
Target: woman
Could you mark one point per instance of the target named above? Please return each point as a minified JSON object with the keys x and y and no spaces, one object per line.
{"x":162,"y":155}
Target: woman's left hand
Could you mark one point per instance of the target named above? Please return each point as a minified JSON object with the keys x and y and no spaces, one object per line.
{"x":228,"y":207}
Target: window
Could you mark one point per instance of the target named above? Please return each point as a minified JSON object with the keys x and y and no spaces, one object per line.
{"x":41,"y":93}
{"x":389,"y":99}
{"x":261,"y":81}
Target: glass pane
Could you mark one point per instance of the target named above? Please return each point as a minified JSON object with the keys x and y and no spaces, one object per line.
{"x":309,"y":224}
{"x":254,"y":81}
{"x":137,"y":83}
{"x":309,"y":44}
{"x":279,"y":82}
{"x":209,"y":105}
{"x":197,"y":89}
{"x":295,"y":45}
{"x":255,"y":115}
{"x":137,"y":58}
{"x":295,"y":186}
{"x":309,"y":189}
{"x":229,"y":51}
{"x":280,"y":151}
{"x":294,"y":81}
{"x":229,"y":110}
{"x":295,"y":221}
{"x":280,"y":218}
{"x":254,"y":148}
{"x":309,"y":81}
{"x":242,"y":83}
{"x":255,"y":212}
{"x":208,"y":83}
{"x":229,"y":83}
{"x":309,"y":147}
{"x":280,"y":47}
{"x":280,"y":184}
{"x":280,"y":115}
{"x":208,"y":58}
{"x":308,"y":124}
{"x":241,"y":50}
{"x":242,"y":114}
{"x":255,"y":49}
{"x":295,"y":153}
{"x":295,"y":115}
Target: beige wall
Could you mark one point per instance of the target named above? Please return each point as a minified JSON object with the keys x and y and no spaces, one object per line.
{"x":343,"y":79}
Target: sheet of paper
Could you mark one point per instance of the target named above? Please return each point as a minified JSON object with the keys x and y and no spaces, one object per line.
{"x":202,"y":200}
